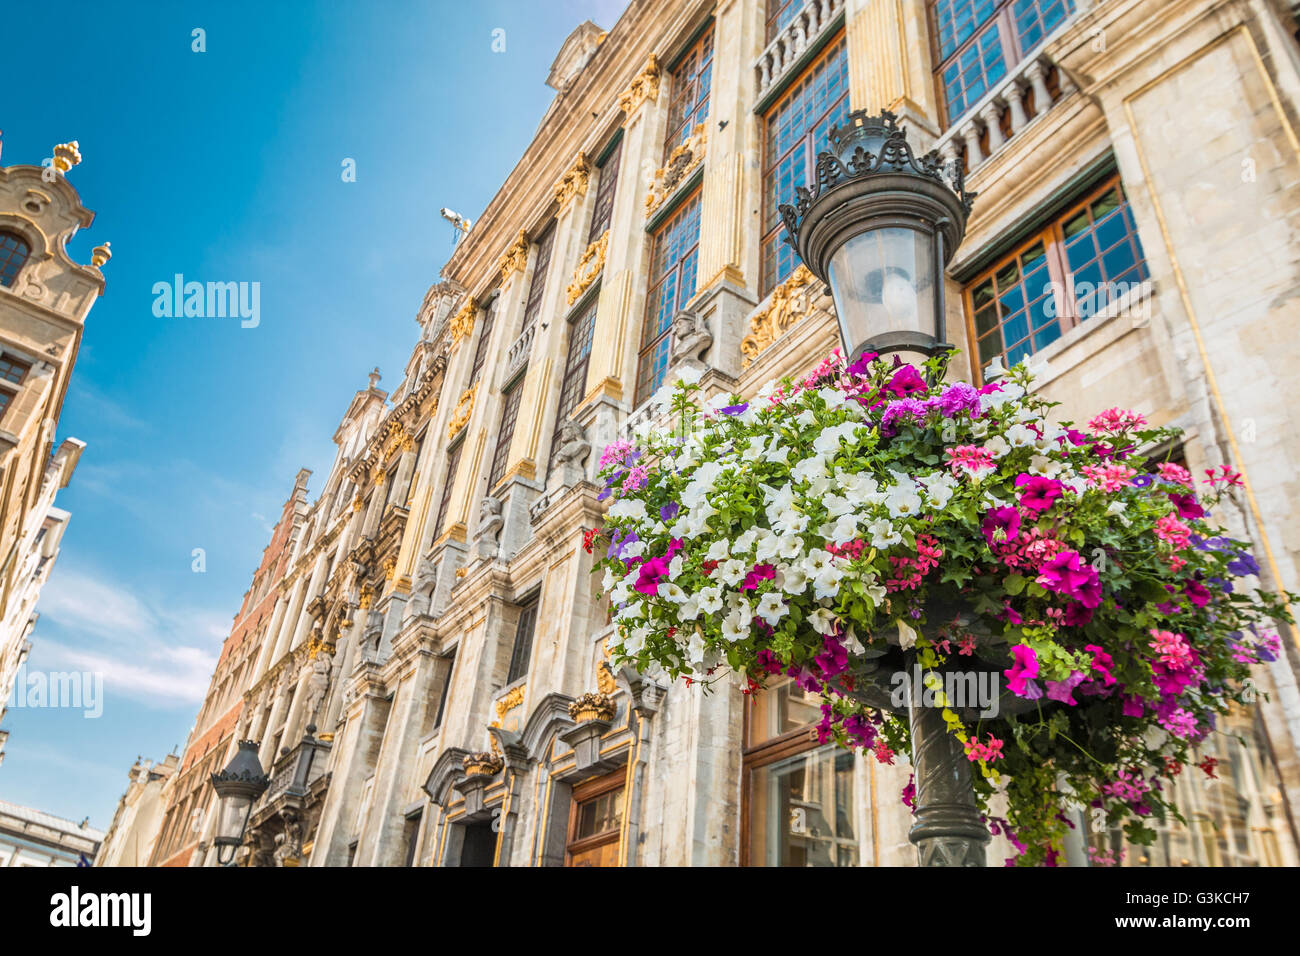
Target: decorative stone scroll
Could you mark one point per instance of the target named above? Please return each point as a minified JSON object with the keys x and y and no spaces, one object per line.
{"x":790,"y":302}
{"x":588,"y":268}
{"x":681,"y":163}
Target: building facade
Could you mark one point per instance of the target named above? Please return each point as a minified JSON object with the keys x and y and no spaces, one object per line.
{"x":129,"y":840}
{"x":34,"y":838}
{"x":433,"y":686}
{"x":44,"y":300}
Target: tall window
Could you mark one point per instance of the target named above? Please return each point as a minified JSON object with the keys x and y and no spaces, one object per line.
{"x":674,"y":263}
{"x":13,"y":255}
{"x":977,"y":41}
{"x":596,"y":821}
{"x":538,"y":287}
{"x":779,"y":15}
{"x":506,"y":433}
{"x":794,"y":129}
{"x":1083,"y":260}
{"x":691,"y":80}
{"x":799,"y":800}
{"x":484,"y":335}
{"x":415,"y":463}
{"x":13,"y":370}
{"x":604,"y":208}
{"x":5,"y":399}
{"x":523,"y":650}
{"x":581,"y":329}
{"x":453,"y":461}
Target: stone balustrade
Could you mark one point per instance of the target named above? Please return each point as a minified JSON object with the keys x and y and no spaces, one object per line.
{"x":1010,"y":95}
{"x":793,"y":39}
{"x":520,"y":349}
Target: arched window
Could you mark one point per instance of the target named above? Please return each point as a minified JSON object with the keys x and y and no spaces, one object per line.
{"x":13,"y":256}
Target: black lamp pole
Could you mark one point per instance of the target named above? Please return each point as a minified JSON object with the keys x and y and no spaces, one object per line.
{"x":238,"y":786}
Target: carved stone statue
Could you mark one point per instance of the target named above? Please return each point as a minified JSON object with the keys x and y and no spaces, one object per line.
{"x":572,"y":452}
{"x":489,"y":529}
{"x":288,"y":845}
{"x":691,"y":336}
{"x":319,"y":682}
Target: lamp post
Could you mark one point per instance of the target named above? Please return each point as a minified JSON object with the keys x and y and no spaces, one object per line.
{"x":238,"y":786}
{"x":879,"y":226}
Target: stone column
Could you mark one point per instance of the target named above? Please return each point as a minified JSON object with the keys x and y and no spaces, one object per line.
{"x":890,"y":63}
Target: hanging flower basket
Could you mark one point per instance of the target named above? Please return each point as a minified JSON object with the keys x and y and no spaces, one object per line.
{"x":1068,"y":605}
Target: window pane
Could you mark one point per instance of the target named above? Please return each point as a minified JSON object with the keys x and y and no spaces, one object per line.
{"x":973,"y":72}
{"x":506,"y":433}
{"x":801,"y":811}
{"x":522,"y":652}
{"x":782,"y":706}
{"x":604,"y":206}
{"x":956,"y":20}
{"x":674,"y":262}
{"x":13,"y":254}
{"x":600,"y":814}
{"x":1035,"y":19}
{"x":691,"y":80}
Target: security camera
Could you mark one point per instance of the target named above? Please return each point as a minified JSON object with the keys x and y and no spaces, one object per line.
{"x":456,"y":219}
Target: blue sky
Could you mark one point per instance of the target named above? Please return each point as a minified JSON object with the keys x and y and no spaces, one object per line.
{"x":226,"y":166}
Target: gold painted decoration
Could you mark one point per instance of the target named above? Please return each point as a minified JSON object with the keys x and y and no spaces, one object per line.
{"x":390,"y":567}
{"x":588,"y":268}
{"x":67,"y":155}
{"x":591,"y":706}
{"x":509,"y":702}
{"x":644,"y":87}
{"x":100,"y":255}
{"x":462,"y":323}
{"x":514,"y":259}
{"x":574,"y":182}
{"x":789,"y":302}
{"x":482,"y":764}
{"x":357,"y":503}
{"x":461,"y":413}
{"x":682,"y":161}
{"x":367,"y":595}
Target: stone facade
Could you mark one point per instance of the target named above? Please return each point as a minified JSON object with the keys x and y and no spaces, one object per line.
{"x":44,"y":300}
{"x":469,"y":714}
{"x":138,"y":819}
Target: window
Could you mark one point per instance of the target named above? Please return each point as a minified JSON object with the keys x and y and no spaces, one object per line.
{"x":977,"y":41}
{"x":604,"y":208}
{"x":453,"y":461}
{"x":415,"y":463}
{"x":1083,"y":260}
{"x":5,"y":399}
{"x":446,"y":688}
{"x":581,"y":329}
{"x":506,"y":434}
{"x":412,"y":835}
{"x":672,"y":282}
{"x":596,"y":821}
{"x":484,"y":334}
{"x":538,"y":287}
{"x":799,"y":798}
{"x":779,"y":15}
{"x":13,"y":256}
{"x":523,"y":649}
{"x":691,"y":79}
{"x":12,"y":370}
{"x":794,"y":129}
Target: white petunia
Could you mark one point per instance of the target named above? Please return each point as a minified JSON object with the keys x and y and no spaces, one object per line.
{"x":836,"y":506}
{"x":767,"y":547}
{"x":827,"y":583}
{"x":672,"y":592}
{"x":719,"y":550}
{"x":903,"y":503}
{"x":852,"y":644}
{"x":731,"y":572}
{"x":635,"y":640}
{"x":845,"y":530}
{"x":906,"y":636}
{"x":822,"y":620}
{"x":809,"y":468}
{"x":771,"y":608}
{"x":689,"y":610}
{"x":695,"y":648}
{"x":628,"y":508}
{"x":806,"y":418}
{"x":883,"y":534}
{"x":817,"y":561}
{"x":1020,"y":435}
{"x":710,"y":600}
{"x":790,"y":546}
{"x":732,"y":628}
{"x":689,"y":374}
{"x":997,"y":446}
{"x":794,"y":580}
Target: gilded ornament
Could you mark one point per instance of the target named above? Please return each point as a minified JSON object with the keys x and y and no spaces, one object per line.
{"x":100,"y":255}
{"x":390,"y":567}
{"x":574,"y":182}
{"x":682,"y":161}
{"x":789,"y":302}
{"x":514,"y":259}
{"x":66,"y":155}
{"x":367,"y":595}
{"x":644,"y":87}
{"x":462,"y":323}
{"x":588,"y":268}
{"x":589,"y":706}
{"x":461,"y":413}
{"x":482,"y":764}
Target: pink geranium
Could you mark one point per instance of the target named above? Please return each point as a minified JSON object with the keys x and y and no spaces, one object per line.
{"x":1114,"y":421}
{"x":971,"y":459}
{"x":1110,"y":478}
{"x":1021,"y":673}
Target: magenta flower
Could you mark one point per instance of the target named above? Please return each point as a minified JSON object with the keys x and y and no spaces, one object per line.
{"x":1134,"y":706}
{"x":1021,"y":672}
{"x":1187,"y":505}
{"x":1197,"y":593}
{"x":906,"y":381}
{"x":1063,"y":690}
{"x":1076,"y":615}
{"x":834,"y":659}
{"x":761,"y":572}
{"x":960,"y":396}
{"x":1039,"y":492}
{"x":1001,"y":524}
{"x":649,"y":575}
{"x":1102,"y":663}
{"x":1066,"y":574}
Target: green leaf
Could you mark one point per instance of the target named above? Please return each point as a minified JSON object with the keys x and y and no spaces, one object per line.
{"x":1014,"y":583}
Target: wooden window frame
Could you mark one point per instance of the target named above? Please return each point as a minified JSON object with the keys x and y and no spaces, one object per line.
{"x":789,"y":744}
{"x":684,"y":86}
{"x":772,"y":21}
{"x":1013,"y":51}
{"x":453,"y":465}
{"x":1052,"y":236}
{"x":770,"y":234}
{"x":15,"y":252}
{"x":521,"y":650}
{"x":582,"y":329}
{"x":690,"y":205}
{"x":602,"y":211}
{"x":541,"y":265}
{"x":484,"y":334}
{"x":12,"y":363}
{"x":510,"y":400}
{"x":584,"y":793}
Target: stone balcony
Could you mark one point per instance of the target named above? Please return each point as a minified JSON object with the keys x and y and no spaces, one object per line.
{"x":793,"y":40}
{"x":520,"y":349}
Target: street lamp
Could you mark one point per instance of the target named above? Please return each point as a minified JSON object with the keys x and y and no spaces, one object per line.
{"x":879,"y":226}
{"x":238,"y":786}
